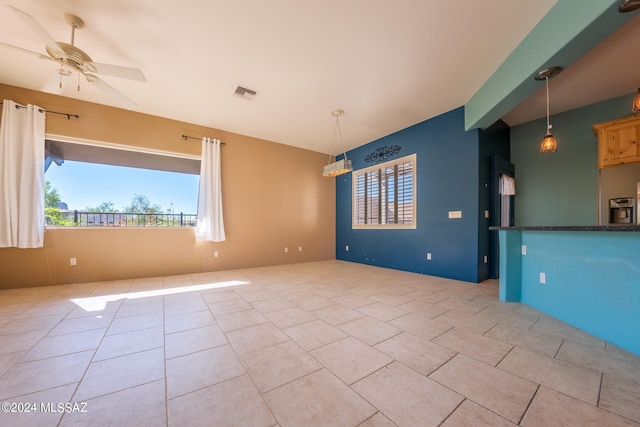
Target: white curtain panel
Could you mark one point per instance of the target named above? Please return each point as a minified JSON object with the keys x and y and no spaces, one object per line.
{"x":21,"y":176}
{"x":507,"y":185}
{"x":210,"y":226}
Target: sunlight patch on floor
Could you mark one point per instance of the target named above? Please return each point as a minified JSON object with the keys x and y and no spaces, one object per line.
{"x":99,"y":303}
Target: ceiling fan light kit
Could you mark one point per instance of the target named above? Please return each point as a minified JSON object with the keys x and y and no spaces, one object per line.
{"x":71,"y":58}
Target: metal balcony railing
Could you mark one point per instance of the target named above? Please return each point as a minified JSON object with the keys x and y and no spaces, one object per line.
{"x":77,"y":218}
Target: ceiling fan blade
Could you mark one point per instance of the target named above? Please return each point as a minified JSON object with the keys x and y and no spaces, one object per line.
{"x":41,"y":32}
{"x":111,"y":91}
{"x":39,"y":55}
{"x":116,"y":71}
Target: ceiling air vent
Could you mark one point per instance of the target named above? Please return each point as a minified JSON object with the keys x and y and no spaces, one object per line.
{"x":245,"y":93}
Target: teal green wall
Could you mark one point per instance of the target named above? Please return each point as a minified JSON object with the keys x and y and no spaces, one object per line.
{"x":561,"y":188}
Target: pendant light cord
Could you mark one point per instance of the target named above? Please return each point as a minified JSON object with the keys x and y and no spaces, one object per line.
{"x":341,"y":140}
{"x":333,"y":139}
{"x":336,"y":128}
{"x":548,"y":124}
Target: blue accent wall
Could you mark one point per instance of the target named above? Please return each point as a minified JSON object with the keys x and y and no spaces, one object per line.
{"x":452,"y":170}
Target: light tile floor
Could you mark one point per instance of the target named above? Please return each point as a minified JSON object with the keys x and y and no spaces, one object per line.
{"x":325,"y":343}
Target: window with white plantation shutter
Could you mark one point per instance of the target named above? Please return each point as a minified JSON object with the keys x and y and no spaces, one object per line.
{"x":384,"y":196}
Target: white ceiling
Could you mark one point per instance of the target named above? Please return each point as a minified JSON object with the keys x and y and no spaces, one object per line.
{"x":388,"y":64}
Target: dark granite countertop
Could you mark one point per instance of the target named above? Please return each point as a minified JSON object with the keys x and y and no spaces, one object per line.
{"x":632,"y":228}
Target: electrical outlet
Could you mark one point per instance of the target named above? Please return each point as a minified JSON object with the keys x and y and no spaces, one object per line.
{"x":286,"y":249}
{"x":215,"y":254}
{"x":428,"y":256}
{"x":299,"y":248}
{"x":543,"y":278}
{"x":346,"y":248}
{"x":486,"y":259}
{"x":486,"y":214}
{"x":524,"y":250}
{"x":72,"y":261}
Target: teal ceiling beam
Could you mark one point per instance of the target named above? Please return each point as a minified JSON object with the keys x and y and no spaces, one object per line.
{"x":567,"y":32}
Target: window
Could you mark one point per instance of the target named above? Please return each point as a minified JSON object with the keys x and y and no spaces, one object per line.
{"x":93,"y":184}
{"x":384,"y":196}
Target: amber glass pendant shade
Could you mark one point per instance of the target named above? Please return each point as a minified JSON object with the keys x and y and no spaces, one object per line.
{"x":548,"y":144}
{"x":635,"y":109}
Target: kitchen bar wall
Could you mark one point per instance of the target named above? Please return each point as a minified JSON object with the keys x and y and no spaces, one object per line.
{"x":588,"y":279}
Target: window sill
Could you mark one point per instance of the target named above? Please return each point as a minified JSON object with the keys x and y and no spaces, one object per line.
{"x":112,"y":227}
{"x":385,"y":227}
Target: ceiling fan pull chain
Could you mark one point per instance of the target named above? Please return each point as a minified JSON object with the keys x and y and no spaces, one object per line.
{"x":60,"y":72}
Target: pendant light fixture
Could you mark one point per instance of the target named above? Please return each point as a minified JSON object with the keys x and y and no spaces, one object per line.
{"x":549,"y":143}
{"x":635,"y":108}
{"x":629,"y":5}
{"x":341,"y":166}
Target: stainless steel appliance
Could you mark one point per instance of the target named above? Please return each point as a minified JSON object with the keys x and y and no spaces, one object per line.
{"x":621,"y":210}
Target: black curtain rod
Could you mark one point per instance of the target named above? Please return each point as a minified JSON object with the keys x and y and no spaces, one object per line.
{"x":42,"y":110}
{"x":185,"y":137}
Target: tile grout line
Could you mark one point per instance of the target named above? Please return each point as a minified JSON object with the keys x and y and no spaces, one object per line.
{"x":555,"y":356}
{"x":454,"y":410}
{"x":534,"y":324}
{"x":529,"y":405}
{"x":600,"y":389}
{"x":504,"y":357}
{"x":490,"y":329}
{"x":371,"y":417}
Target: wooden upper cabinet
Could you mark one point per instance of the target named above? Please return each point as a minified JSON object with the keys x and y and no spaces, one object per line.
{"x":618,"y":141}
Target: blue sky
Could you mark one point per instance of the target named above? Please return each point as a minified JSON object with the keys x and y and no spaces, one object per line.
{"x":83,"y":185}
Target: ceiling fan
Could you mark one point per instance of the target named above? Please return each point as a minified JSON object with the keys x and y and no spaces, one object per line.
{"x":70,"y":58}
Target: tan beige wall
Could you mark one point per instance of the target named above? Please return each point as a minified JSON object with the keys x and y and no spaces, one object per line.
{"x":273,"y":196}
